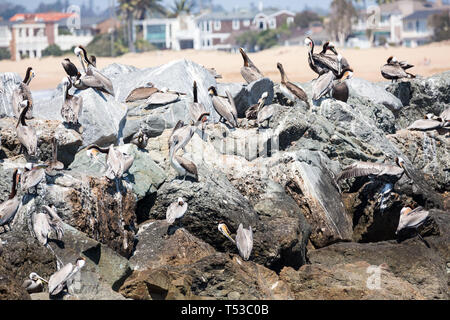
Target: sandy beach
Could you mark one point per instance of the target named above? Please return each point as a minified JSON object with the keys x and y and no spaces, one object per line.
{"x":365,"y":62}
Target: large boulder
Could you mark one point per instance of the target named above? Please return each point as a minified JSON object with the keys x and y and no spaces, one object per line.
{"x":8,"y":82}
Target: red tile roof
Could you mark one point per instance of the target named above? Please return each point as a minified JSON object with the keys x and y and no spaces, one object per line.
{"x":43,"y":17}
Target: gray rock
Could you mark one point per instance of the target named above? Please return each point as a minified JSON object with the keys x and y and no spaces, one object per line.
{"x":8,"y":82}
{"x":250,"y":94}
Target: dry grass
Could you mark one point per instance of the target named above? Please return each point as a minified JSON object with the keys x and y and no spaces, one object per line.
{"x":365,"y":62}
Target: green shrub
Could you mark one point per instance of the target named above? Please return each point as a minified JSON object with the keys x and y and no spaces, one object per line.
{"x":52,"y":50}
{"x":5,"y":54}
{"x":101,"y":44}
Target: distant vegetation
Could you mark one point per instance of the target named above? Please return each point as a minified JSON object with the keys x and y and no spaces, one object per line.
{"x":4,"y":54}
{"x":101,"y":44}
{"x":52,"y":50}
{"x":441,"y":24}
{"x":260,"y":40}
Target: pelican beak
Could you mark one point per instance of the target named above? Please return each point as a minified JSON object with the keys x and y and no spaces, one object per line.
{"x":225,"y":231}
{"x":39,"y":277}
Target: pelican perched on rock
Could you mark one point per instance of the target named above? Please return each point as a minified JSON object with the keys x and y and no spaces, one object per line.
{"x":32,"y":176}
{"x":321,"y":63}
{"x":46,"y":222}
{"x":72,"y":105}
{"x":62,"y":278}
{"x":393,"y":70}
{"x":182,"y":166}
{"x":244,"y":239}
{"x":225,"y":107}
{"x":141,"y":93}
{"x":340,"y":89}
{"x":34,"y":284}
{"x":117,"y":163}
{"x":53,"y":164}
{"x":290,"y":90}
{"x":140,"y":139}
{"x":25,"y":133}
{"x":182,"y":133}
{"x":197,"y":110}
{"x":92,"y":78}
{"x":411,"y":219}
{"x":22,"y":93}
{"x":427,"y":124}
{"x":8,"y":209}
{"x":249,"y":71}
{"x":176,"y":210}
{"x":70,"y":69}
{"x":265,"y":113}
{"x":252,"y":112}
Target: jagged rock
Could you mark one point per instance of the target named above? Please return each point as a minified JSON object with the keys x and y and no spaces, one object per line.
{"x":8,"y":82}
{"x":345,"y":281}
{"x":68,"y":139}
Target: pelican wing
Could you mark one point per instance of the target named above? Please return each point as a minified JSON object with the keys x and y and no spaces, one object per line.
{"x":91,"y":82}
{"x":58,"y":280}
{"x":70,"y":68}
{"x":140,"y":93}
{"x":223,"y":108}
{"x":32,"y":178}
{"x":188,"y":165}
{"x":8,"y":210}
{"x":27,"y":137}
{"x":393,"y":71}
{"x":72,"y":109}
{"x":413,"y":219}
{"x":360,"y":169}
{"x":425,"y":124}
{"x":197,"y":111}
{"x":251,"y":74}
{"x":233,"y":108}
{"x":41,"y":227}
{"x":55,"y":222}
{"x":175,"y":211}
{"x":113,"y":163}
{"x":161,"y":98}
{"x":244,"y":241}
{"x":127,"y":162}
{"x":106,"y":83}
{"x":323,"y":85}
{"x":297,"y":91}
{"x":265,"y":113}
{"x":21,"y":93}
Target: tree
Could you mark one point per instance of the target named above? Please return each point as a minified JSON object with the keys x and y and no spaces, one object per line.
{"x":304,"y":18}
{"x":440,"y":22}
{"x":341,"y":15}
{"x":52,"y":50}
{"x":181,"y":6}
{"x":136,"y":9}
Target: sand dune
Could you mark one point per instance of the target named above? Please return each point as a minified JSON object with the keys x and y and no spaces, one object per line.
{"x":365,"y":62}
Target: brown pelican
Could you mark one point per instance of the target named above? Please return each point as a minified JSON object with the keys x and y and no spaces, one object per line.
{"x":340,"y":89}
{"x":70,"y":68}
{"x":182,"y":166}
{"x":141,"y":93}
{"x":46,"y":222}
{"x":72,"y":105}
{"x":252,"y":112}
{"x":197,"y":110}
{"x":25,"y":133}
{"x":176,"y":210}
{"x":393,"y":70}
{"x":93,"y":60}
{"x":290,"y":90}
{"x":321,"y":63}
{"x":163,"y":96}
{"x":117,"y":163}
{"x":265,"y":113}
{"x":342,"y":62}
{"x":61,"y":278}
{"x":53,"y":164}
{"x":21,"y":93}
{"x":92,"y":78}
{"x":140,"y":139}
{"x":411,"y":219}
{"x":323,"y":85}
{"x":182,"y":134}
{"x":32,"y":176}
{"x":225,"y":107}
{"x":426,"y":124}
{"x":34,"y":284}
{"x":8,"y":209}
{"x":244,"y":239}
{"x":249,"y":71}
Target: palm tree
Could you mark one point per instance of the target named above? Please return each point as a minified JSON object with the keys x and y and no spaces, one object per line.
{"x":136,"y":9}
{"x":181,"y":6}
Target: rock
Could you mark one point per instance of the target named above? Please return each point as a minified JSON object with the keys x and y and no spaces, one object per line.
{"x":251,"y":93}
{"x":347,"y":281}
{"x":376,"y":93}
{"x":8,"y":82}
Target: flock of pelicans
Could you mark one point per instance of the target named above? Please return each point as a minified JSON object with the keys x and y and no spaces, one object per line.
{"x":332,"y":70}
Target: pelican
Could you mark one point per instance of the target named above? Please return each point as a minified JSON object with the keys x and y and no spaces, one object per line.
{"x":163,"y":96}
{"x":323,"y":85}
{"x":181,"y":165}
{"x":340,"y":89}
{"x":427,"y":124}
{"x":140,"y":93}
{"x":62,"y":277}
{"x":8,"y":209}
{"x":22,"y":93}
{"x":252,"y":112}
{"x":197,"y":110}
{"x":176,"y":210}
{"x":393,"y":70}
{"x":72,"y":105}
{"x":290,"y":90}
{"x":321,"y":63}
{"x":46,"y":222}
{"x":117,"y":163}
{"x":54,"y":164}
{"x":445,"y":115}
{"x":341,"y":61}
{"x":225,"y":107}
{"x":411,"y":219}
{"x":244,"y":239}
{"x":249,"y":71}
{"x":182,"y":134}
{"x":32,"y":176}
{"x":26,"y":134}
{"x":265,"y":113}
{"x":70,"y":68}
{"x":140,"y":139}
{"x":93,"y":78}
{"x":34,"y":284}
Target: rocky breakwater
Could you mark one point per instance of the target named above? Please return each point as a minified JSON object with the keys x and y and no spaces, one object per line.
{"x":313,"y":238}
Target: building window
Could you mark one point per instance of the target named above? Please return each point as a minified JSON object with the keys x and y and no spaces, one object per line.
{"x":217,"y":25}
{"x":272,"y":23}
{"x":208,"y":43}
{"x":246,"y":23}
{"x":290,"y":20}
{"x":261,"y":25}
{"x":236,"y":24}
